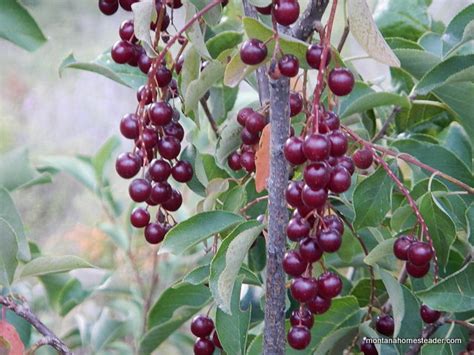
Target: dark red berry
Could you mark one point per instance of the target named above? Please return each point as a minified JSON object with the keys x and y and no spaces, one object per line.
{"x":155,"y":233}
{"x":363,"y":158}
{"x":302,"y":317}
{"x":296,"y":103}
{"x":139,"y":217}
{"x":126,"y":30}
{"x":314,"y":198}
{"x":338,"y":143}
{"x":248,"y":137}
{"x":127,"y":4}
{"x":286,"y":12}
{"x":247,"y":161}
{"x":298,"y":228}
{"x":144,"y":63}
{"x":202,"y":326}
{"x":108,"y":7}
{"x":289,"y":65}
{"x":253,"y":52}
{"x":313,"y":56}
{"x":163,"y":76}
{"x":329,"y":240}
{"x":316,"y":147}
{"x":174,"y":129}
{"x":255,"y":122}
{"x":122,"y":52}
{"x":203,"y":346}
{"x":385,"y":325}
{"x":173,"y":89}
{"x":160,"y":113}
{"x":329,"y":285}
{"x":179,"y":64}
{"x":299,"y":337}
{"x":169,"y":147}
{"x":139,"y":190}
{"x":144,"y":94}
{"x":417,"y":271}
{"x":182,"y":171}
{"x":293,"y":194}
{"x":429,"y":315}
{"x":304,"y":289}
{"x":293,"y":150}
{"x":174,"y":202}
{"x":341,"y":81}
{"x":333,"y":222}
{"x":150,"y":138}
{"x":368,"y":348}
{"x":420,"y":253}
{"x":266,"y":10}
{"x":293,"y":263}
{"x":340,"y":180}
{"x":216,"y":340}
{"x":401,"y":245}
{"x":234,"y":161}
{"x":174,"y":4}
{"x":159,"y":170}
{"x":316,"y":175}
{"x":319,"y":305}
{"x":243,"y":115}
{"x":310,"y":251}
{"x":331,"y":120}
{"x":127,"y":165}
{"x":161,"y":192}
{"x":347,"y":163}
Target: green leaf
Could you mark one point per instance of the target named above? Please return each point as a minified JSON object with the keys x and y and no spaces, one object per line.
{"x":174,"y":307}
{"x":226,"y":263}
{"x":212,"y":73}
{"x":105,"y":66}
{"x":454,"y":34}
{"x":45,"y":265}
{"x":381,"y":252}
{"x":194,"y":33}
{"x":432,"y":43}
{"x":213,"y":16}
{"x":372,"y":199}
{"x":143,"y":13}
{"x":339,"y":337}
{"x":191,"y":68}
{"x":470,"y":224}
{"x":454,"y":69}
{"x":19,"y":27}
{"x":104,"y":155}
{"x":366,"y":33}
{"x":361,"y":291}
{"x":228,"y":141}
{"x":236,"y":71}
{"x":374,"y":99}
{"x":455,"y":139}
{"x":196,"y":229}
{"x":405,"y":309}
{"x":106,"y":329}
{"x":232,"y":329}
{"x":453,"y":294}
{"x":71,"y":295}
{"x":222,"y":41}
{"x":16,"y":170}
{"x":8,"y":251}
{"x":10,"y":215}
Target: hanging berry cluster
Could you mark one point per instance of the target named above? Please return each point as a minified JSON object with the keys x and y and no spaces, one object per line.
{"x":154,"y":128}
{"x":417,"y":255}
{"x":202,"y":326}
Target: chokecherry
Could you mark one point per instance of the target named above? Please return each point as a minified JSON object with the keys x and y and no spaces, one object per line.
{"x":293,"y":150}
{"x":202,"y":326}
{"x":368,"y":348}
{"x":429,"y":315}
{"x":293,"y":263}
{"x":420,"y":253}
{"x":329,"y":240}
{"x":417,"y":271}
{"x":182,"y":171}
{"x":303,"y":289}
{"x":140,"y":217}
{"x":139,"y":190}
{"x":310,"y":250}
{"x":203,"y":346}
{"x":385,"y":325}
{"x":401,"y":245}
{"x":319,"y":305}
{"x":127,"y":165}
{"x":313,"y":56}
{"x":302,"y":317}
{"x":316,"y":147}
{"x":329,"y":285}
{"x":298,"y":228}
{"x":253,"y":52}
{"x":286,"y":12}
{"x":363,"y":158}
{"x":289,"y":65}
{"x":341,"y":81}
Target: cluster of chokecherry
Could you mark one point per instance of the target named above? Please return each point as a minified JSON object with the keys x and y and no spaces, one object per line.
{"x":154,"y":127}
{"x":202,"y":326}
{"x":417,"y":255}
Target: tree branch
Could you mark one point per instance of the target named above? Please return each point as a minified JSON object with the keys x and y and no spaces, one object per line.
{"x":307,"y":22}
{"x":23,"y":310}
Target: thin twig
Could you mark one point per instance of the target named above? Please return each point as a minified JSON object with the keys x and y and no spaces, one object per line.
{"x":209,"y":116}
{"x":396,"y":110}
{"x":344,"y":36}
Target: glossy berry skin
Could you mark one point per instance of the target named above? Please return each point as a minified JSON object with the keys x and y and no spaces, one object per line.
{"x":159,"y":170}
{"x":174,"y":129}
{"x":341,"y":81}
{"x":298,"y":228}
{"x":338,"y":143}
{"x":319,"y":305}
{"x":302,"y":317}
{"x":203,"y":346}
{"x":316,"y":175}
{"x":303,"y":289}
{"x":314,"y":198}
{"x":163,"y":76}
{"x":340,"y":180}
{"x":129,"y":126}
{"x":202,"y":326}
{"x":127,"y":4}
{"x":150,"y":138}
{"x":385,"y":325}
{"x":216,"y":340}
{"x":329,"y":285}
{"x":289,"y":65}
{"x":333,"y":222}
{"x":299,"y":337}
{"x":417,"y":271}
{"x":122,"y":52}
{"x":293,"y":263}
{"x":313,"y":56}
{"x":316,"y":147}
{"x":368,"y":348}
{"x":174,"y":202}
{"x":243,"y":115}
{"x":293,"y":150}
{"x":161,"y":192}
{"x":174,"y":4}
{"x":329,"y":240}
{"x":144,"y":94}
{"x":144,"y":63}
{"x":296,"y":103}
{"x":429,"y":315}
{"x":310,"y":250}
{"x":169,"y":147}
{"x":347,"y":163}
{"x":248,"y":137}
{"x":255,"y":122}
{"x":332,"y":121}
{"x":286,"y":12}
{"x":108,"y":7}
{"x":126,"y":30}
{"x":154,"y":233}
{"x":139,"y":217}
{"x":247,"y":161}
{"x":182,"y":171}
{"x":127,"y":165}
{"x":234,"y":161}
{"x":420,"y":253}
{"x":293,"y":194}
{"x":363,"y":158}
{"x":401,"y":245}
{"x":253,"y":52}
{"x":139,"y":190}
{"x":160,"y":113}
